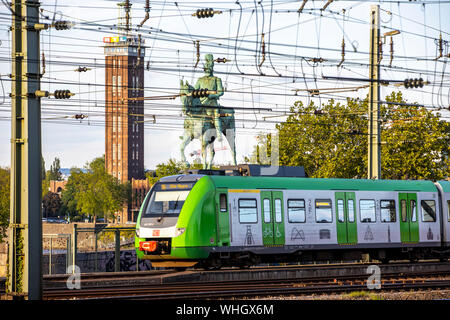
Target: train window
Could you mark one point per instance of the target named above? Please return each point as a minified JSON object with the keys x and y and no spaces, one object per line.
{"x":448,"y":209}
{"x":388,"y":213}
{"x":278,"y":216}
{"x":413,"y":211}
{"x":403,"y":209}
{"x":248,"y":211}
{"x":168,"y":203}
{"x":266,"y":208}
{"x":324,"y":212}
{"x":340,"y":206}
{"x":428,"y":210}
{"x":351,"y":210}
{"x":296,"y":210}
{"x":223,"y":202}
{"x":367,"y":210}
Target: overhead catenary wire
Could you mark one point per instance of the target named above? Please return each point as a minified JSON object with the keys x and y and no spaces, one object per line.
{"x":278,"y":58}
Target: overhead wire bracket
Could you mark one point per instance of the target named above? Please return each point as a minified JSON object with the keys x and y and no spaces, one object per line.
{"x":440,"y":46}
{"x":327,"y":4}
{"x":302,"y":6}
{"x":342,"y":53}
{"x":197,"y":46}
{"x":263,"y":50}
{"x":147,"y":13}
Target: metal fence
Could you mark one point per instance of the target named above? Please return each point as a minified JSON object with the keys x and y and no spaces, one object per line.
{"x":100,"y":248}
{"x":57,"y":257}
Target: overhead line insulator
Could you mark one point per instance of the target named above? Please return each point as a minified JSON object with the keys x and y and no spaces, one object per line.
{"x":413,"y":83}
{"x":206,"y":13}
{"x":221,"y":60}
{"x":200,"y":93}
{"x":80,"y":116}
{"x":58,"y":25}
{"x":62,"y":25}
{"x":82,"y":69}
{"x":62,"y":94}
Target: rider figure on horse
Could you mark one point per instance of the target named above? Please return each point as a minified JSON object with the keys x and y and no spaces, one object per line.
{"x":212,"y":83}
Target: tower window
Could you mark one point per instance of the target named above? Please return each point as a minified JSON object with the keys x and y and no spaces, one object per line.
{"x":119,"y":85}
{"x":114,"y":85}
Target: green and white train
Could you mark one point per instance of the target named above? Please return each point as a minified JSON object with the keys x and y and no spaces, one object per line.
{"x":213,"y":220}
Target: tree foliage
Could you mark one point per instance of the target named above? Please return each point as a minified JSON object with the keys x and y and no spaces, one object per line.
{"x":54,"y":173}
{"x":51,"y":204}
{"x":95,"y":192}
{"x":172,"y":167}
{"x":4,"y":200}
{"x":332,"y":140}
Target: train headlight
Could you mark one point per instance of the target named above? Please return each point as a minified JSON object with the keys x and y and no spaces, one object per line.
{"x":179,"y":231}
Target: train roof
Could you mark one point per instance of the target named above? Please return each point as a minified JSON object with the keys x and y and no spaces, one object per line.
{"x":445,"y":185}
{"x":238,"y":182}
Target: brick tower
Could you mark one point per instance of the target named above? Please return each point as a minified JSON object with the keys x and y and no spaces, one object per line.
{"x":124,"y":128}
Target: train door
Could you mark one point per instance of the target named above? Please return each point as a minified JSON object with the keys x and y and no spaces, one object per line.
{"x":222,"y":217}
{"x":272,"y":213}
{"x":346,"y":218}
{"x":409,"y":225}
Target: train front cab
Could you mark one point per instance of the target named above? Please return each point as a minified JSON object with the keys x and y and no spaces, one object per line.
{"x":176,"y":223}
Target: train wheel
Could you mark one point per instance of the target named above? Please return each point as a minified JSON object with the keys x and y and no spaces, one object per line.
{"x":180,"y":269}
{"x":213,"y":263}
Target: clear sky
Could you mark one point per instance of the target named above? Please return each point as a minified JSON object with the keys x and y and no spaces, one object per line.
{"x":292,"y":39}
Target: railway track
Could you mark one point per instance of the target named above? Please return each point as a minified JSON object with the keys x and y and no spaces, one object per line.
{"x":251,"y":288}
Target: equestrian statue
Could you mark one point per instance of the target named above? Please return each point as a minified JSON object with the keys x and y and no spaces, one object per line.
{"x":205,"y":119}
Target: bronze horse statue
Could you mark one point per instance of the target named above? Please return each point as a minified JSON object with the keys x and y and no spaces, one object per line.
{"x":205,"y":123}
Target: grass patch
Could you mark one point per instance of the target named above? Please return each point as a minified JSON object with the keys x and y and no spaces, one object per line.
{"x":364,"y":295}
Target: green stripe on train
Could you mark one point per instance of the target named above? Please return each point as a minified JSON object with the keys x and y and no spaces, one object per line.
{"x":198,"y":219}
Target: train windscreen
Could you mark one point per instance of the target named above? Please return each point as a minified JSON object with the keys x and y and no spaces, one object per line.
{"x":167,"y":199}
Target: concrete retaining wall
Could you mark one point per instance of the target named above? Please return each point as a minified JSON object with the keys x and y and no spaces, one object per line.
{"x":86,"y":262}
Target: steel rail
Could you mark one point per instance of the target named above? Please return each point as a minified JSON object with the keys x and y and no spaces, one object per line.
{"x":390,"y":281}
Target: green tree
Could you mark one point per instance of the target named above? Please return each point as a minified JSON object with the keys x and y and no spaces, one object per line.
{"x":416,"y":143}
{"x":331,"y":141}
{"x":43,"y":168}
{"x":4,"y":201}
{"x":68,"y":194}
{"x":54,"y":172}
{"x":95,"y":192}
{"x":172,"y":167}
{"x":51,"y":204}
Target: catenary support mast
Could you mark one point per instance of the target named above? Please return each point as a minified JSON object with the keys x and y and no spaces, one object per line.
{"x":25,"y":229}
{"x":374,"y":154}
